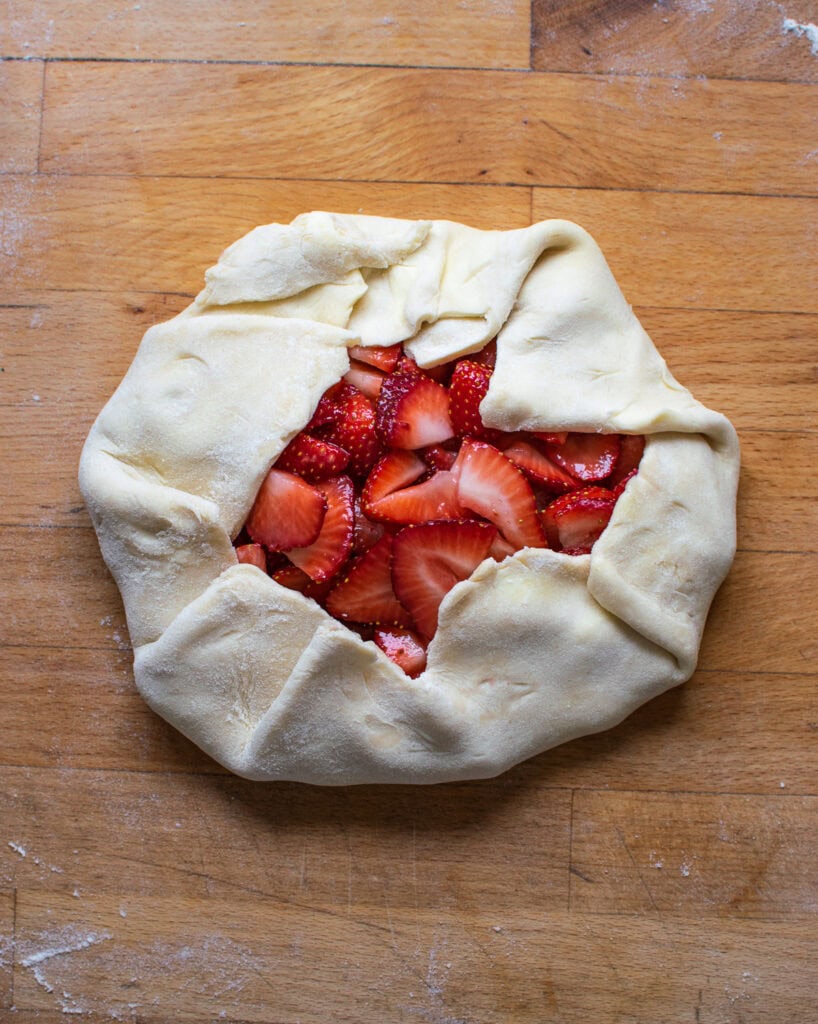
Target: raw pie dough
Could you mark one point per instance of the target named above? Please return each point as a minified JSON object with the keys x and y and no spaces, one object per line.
{"x":530,"y":652}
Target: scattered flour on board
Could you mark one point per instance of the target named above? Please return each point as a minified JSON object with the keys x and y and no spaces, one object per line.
{"x":699,"y":7}
{"x":70,"y":940}
{"x":216,"y":967}
{"x":61,"y":943}
{"x":23,"y":852}
{"x":434,"y":983}
{"x":802,"y":29}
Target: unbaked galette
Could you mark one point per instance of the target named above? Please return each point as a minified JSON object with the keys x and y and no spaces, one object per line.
{"x":399,"y":501}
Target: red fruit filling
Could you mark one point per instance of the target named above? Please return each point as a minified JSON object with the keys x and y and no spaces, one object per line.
{"x":404,"y":647}
{"x":396,"y":490}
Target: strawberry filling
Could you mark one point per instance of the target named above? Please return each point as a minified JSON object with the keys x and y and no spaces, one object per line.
{"x":396,"y":490}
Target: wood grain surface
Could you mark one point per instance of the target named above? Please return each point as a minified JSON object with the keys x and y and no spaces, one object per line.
{"x":662,"y":872}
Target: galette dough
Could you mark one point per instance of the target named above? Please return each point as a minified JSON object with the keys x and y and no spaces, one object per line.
{"x":530,"y":652}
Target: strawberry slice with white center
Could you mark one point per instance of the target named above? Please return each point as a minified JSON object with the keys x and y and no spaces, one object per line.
{"x":428,"y":560}
{"x":413,"y":411}
{"x":252,"y":554}
{"x":404,"y":647}
{"x":287,"y":513}
{"x":355,"y":431}
{"x":313,"y":458}
{"x":434,"y":499}
{"x":537,"y":467}
{"x":575,"y":521}
{"x":365,"y":593}
{"x":632,"y":446}
{"x":386,"y":497}
{"x":384,"y":357}
{"x":587,"y":457}
{"x":391,"y":472}
{"x":492,"y":486}
{"x":365,"y":378}
{"x":325,"y":556}
{"x":468,"y":388}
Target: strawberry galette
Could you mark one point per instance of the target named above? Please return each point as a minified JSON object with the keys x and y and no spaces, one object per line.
{"x":406,"y":501}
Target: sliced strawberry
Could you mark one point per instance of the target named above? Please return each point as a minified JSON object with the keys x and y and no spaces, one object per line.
{"x":391,"y":472}
{"x":340,"y":392}
{"x":291,"y":577}
{"x":587,"y":457}
{"x":468,"y":387}
{"x":487,"y":356}
{"x":434,"y":499}
{"x":365,"y":378}
{"x":537,"y":467}
{"x":406,"y":364}
{"x":365,"y":593}
{"x":387,"y":498}
{"x":242,"y":537}
{"x":559,"y":438}
{"x":366,"y":533}
{"x":413,"y":411}
{"x":325,"y":556}
{"x":287,"y":512}
{"x":252,"y":554}
{"x":364,"y":630}
{"x":276,"y":560}
{"x":429,"y":560}
{"x":623,"y":483}
{"x":327,"y":412}
{"x":492,"y":486}
{"x":403,"y":647}
{"x":355,"y":431}
{"x":575,"y":521}
{"x":440,"y":373}
{"x":632,"y":446}
{"x":500,"y":548}
{"x":438,"y":457}
{"x":312,"y":458}
{"x":384,"y":357}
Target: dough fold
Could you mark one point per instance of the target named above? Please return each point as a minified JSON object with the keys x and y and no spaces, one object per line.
{"x":530,"y":652}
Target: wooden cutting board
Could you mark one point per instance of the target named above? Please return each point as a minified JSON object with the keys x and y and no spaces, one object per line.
{"x":662,"y":872}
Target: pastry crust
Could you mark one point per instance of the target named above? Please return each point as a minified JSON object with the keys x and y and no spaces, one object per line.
{"x":530,"y":652}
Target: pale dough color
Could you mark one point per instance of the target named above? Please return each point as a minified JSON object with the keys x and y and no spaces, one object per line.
{"x":530,"y":652}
